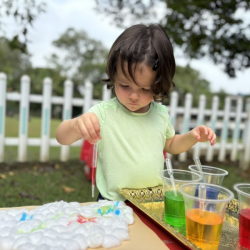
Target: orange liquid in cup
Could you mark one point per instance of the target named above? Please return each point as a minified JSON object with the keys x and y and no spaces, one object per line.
{"x":204,"y":230}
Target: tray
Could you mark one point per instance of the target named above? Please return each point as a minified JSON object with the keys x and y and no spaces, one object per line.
{"x":150,"y":201}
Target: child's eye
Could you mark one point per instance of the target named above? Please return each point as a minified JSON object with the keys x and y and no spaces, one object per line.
{"x":124,"y":86}
{"x":146,"y":90}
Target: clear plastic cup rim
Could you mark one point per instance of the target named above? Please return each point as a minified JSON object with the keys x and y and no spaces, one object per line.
{"x":236,"y":188}
{"x":181,"y":171}
{"x":206,"y":173}
{"x":230,"y":193}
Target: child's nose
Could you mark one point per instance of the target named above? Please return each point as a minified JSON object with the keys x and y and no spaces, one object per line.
{"x":134,"y":95}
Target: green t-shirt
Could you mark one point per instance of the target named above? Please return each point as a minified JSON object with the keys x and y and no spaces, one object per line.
{"x":130,"y":153}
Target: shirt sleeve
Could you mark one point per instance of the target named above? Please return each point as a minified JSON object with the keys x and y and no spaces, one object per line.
{"x":170,"y":132}
{"x":99,"y":111}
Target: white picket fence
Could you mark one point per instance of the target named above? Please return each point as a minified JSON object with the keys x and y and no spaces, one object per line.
{"x":232,"y":118}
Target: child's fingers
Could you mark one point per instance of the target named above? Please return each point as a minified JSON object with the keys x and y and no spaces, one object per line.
{"x":80,"y":127}
{"x":86,"y":135}
{"x":90,"y":131}
{"x":210,"y":133}
{"x":205,"y":129}
{"x":213,"y":140}
{"x":197,"y":134}
{"x":96,"y":125}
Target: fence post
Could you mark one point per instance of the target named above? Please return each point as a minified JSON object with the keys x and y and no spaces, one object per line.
{"x":3,"y":80}
{"x":213,"y":120}
{"x":173,"y":107}
{"x":46,"y":117}
{"x":88,"y":96}
{"x":186,"y":120}
{"x":67,"y":114}
{"x":200,"y":121}
{"x":236,"y":130}
{"x":244,"y":164}
{"x":23,"y":118}
{"x":106,"y":93}
{"x":224,"y":132}
{"x":173,"y":111}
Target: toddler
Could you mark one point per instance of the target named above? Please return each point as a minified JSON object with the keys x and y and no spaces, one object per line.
{"x":133,"y":128}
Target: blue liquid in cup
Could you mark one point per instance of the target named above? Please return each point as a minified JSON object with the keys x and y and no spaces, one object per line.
{"x":212,"y":193}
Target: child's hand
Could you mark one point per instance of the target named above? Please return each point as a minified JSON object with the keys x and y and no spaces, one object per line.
{"x":87,"y":126}
{"x":203,"y":133}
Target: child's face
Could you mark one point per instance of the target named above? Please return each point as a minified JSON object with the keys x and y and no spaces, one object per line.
{"x":130,"y":95}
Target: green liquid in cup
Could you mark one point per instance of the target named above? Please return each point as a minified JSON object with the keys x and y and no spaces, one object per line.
{"x":175,"y":211}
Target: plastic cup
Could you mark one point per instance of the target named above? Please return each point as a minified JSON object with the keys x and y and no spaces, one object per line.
{"x":243,"y":190}
{"x":211,"y":175}
{"x":204,"y":223}
{"x":174,"y":208}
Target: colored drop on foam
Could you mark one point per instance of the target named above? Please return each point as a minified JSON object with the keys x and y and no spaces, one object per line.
{"x":109,"y":209}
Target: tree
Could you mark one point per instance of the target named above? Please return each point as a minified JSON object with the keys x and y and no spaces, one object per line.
{"x":217,"y":29}
{"x":188,"y":80}
{"x":24,"y":13}
{"x":14,"y":64}
{"x":82,"y":60}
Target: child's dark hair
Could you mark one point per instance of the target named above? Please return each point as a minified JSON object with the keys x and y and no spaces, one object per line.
{"x":144,"y":44}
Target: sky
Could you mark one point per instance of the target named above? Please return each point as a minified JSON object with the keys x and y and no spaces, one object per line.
{"x":80,"y":15}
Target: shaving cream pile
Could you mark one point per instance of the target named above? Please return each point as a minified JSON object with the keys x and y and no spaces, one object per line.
{"x":66,"y":226}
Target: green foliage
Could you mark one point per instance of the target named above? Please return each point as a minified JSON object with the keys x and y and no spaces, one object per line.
{"x":37,"y":76}
{"x":218,"y":29}
{"x":24,"y":13}
{"x":188,"y":80}
{"x":83,"y":59}
{"x":14,"y":64}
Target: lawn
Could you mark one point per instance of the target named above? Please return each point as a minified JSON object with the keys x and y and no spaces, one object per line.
{"x":35,"y":183}
{"x":11,"y":130}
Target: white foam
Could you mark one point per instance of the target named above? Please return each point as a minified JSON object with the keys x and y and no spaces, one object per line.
{"x":81,"y":229}
{"x":51,"y":233}
{"x":48,"y":241}
{"x":70,"y":244}
{"x":65,"y":226}
{"x":111,"y":241}
{"x":121,"y":234}
{"x":82,"y":241}
{"x":6,"y":243}
{"x":22,"y":240}
{"x":27,"y":246}
{"x":43,"y":247}
{"x":5,"y":231}
{"x":35,"y":237}
{"x":95,"y":240}
{"x":8,"y":217}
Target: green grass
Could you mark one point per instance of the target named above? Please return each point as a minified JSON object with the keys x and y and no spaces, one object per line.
{"x":33,"y":153}
{"x":34,"y":183}
{"x":12,"y":127}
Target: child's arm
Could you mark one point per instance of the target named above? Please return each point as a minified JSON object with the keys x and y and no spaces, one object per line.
{"x":85,"y":126}
{"x":181,"y":143}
